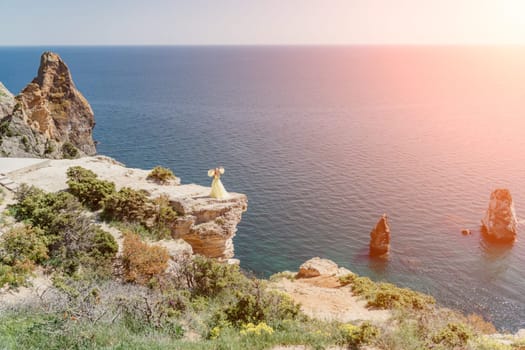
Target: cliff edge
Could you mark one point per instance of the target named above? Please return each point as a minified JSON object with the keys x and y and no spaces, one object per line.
{"x":207,"y":224}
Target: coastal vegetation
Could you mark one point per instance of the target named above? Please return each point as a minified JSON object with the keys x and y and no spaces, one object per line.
{"x":161,"y":175}
{"x":141,"y":296}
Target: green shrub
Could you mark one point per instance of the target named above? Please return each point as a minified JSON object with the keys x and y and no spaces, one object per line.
{"x":69,"y":151}
{"x":45,"y":210}
{"x":71,"y":238}
{"x":78,"y":174}
{"x":164,"y":217}
{"x":355,"y":336}
{"x":17,"y":274}
{"x":49,"y":147}
{"x":23,"y":243}
{"x":347,"y":279}
{"x":103,"y":245}
{"x":389,"y":296}
{"x":282,"y":275}
{"x":453,"y":335}
{"x":89,"y":190}
{"x":4,"y":129}
{"x":207,"y":277}
{"x":256,"y":304}
{"x":25,"y":143}
{"x":386,"y":295}
{"x":231,"y":297}
{"x":128,"y":205}
{"x":161,"y":175}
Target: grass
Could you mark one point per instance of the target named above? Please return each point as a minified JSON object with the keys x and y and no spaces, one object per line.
{"x":40,"y":330}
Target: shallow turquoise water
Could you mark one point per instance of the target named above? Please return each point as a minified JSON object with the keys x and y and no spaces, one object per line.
{"x":323,"y":140}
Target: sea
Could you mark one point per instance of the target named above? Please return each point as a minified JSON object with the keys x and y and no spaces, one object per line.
{"x":325,"y":139}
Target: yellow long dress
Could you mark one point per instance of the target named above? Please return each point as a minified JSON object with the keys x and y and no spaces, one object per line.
{"x":217,"y":189}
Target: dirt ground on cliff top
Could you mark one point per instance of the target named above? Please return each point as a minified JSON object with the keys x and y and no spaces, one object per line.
{"x":324,"y":298}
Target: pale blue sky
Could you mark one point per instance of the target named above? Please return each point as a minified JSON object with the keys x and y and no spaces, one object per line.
{"x":195,"y":22}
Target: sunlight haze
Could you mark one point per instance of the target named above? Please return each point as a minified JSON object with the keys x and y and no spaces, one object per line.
{"x":270,"y":22}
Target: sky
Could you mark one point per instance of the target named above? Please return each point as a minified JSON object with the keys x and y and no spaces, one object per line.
{"x":261,"y":22}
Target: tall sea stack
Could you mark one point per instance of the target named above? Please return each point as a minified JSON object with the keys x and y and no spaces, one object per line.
{"x":380,"y":238}
{"x":500,"y":223}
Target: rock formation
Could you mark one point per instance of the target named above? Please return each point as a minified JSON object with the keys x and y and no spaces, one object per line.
{"x":50,"y":118}
{"x":500,"y":223}
{"x":320,"y":267}
{"x":209,"y":225}
{"x":380,"y":238}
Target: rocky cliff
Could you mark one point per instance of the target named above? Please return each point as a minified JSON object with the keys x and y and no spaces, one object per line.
{"x":50,"y":118}
{"x":207,"y":224}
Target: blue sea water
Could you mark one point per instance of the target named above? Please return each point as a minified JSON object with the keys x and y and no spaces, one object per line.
{"x":324,"y":140}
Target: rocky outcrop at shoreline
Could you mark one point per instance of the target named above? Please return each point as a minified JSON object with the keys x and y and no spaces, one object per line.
{"x":50,"y":118}
{"x":500,"y":223}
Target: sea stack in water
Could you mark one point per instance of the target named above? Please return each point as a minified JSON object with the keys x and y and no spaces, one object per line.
{"x":380,"y":238}
{"x":50,"y":118}
{"x":500,"y":223}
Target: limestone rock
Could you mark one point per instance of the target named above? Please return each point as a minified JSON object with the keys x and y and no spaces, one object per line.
{"x":208,"y":224}
{"x":176,"y":247}
{"x":500,"y":223}
{"x":380,"y":238}
{"x":317,"y":267}
{"x":50,"y":117}
{"x":7,"y":102}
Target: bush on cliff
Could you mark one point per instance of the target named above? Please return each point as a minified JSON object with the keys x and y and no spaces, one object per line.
{"x":453,"y":335}
{"x":141,"y":261}
{"x":20,"y":248}
{"x":257,"y":304}
{"x":164,"y":217}
{"x":69,"y":151}
{"x":131,"y":206}
{"x":15,"y":275}
{"x":355,"y":336}
{"x":161,"y":175}
{"x":69,"y":235}
{"x":89,"y":190}
{"x":205,"y":277}
{"x":386,"y":295}
{"x":23,"y":243}
{"x":128,"y":205}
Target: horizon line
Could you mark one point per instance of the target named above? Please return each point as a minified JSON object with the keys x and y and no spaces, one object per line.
{"x":280,"y":45}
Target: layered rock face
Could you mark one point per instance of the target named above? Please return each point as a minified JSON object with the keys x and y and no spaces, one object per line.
{"x":50,"y":118}
{"x":500,"y":223}
{"x":380,"y":238}
{"x":209,"y":225}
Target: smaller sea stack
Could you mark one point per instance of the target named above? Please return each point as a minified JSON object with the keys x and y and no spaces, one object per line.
{"x":380,"y":238}
{"x":500,"y":223}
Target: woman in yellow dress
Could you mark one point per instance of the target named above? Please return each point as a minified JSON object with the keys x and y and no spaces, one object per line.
{"x":217,"y":189}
